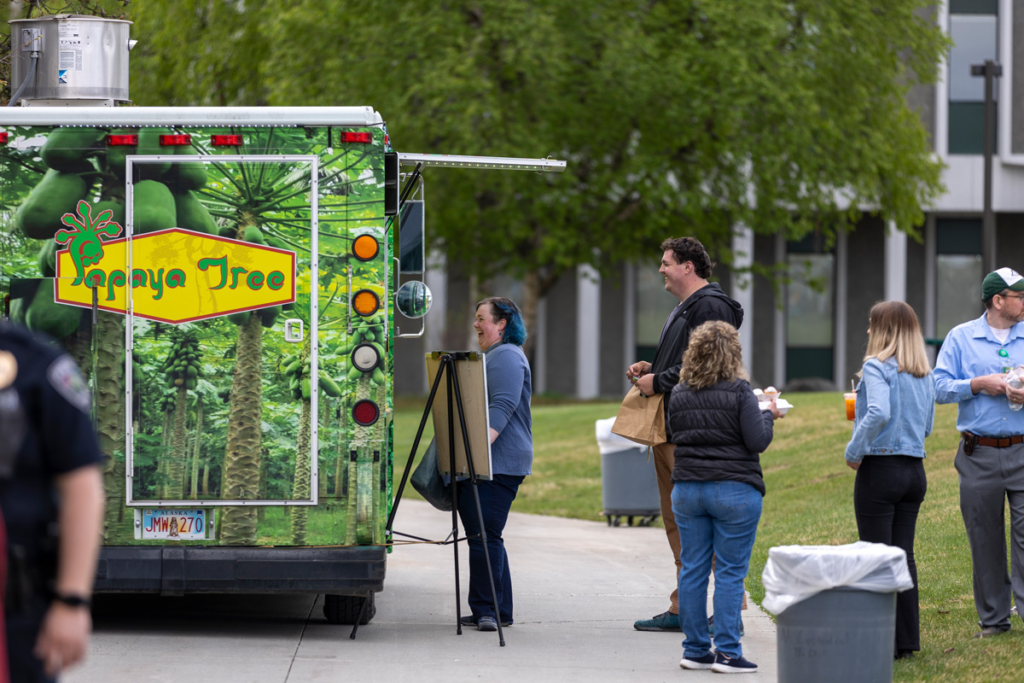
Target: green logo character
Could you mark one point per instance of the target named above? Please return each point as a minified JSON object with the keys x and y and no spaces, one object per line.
{"x":88,"y":236}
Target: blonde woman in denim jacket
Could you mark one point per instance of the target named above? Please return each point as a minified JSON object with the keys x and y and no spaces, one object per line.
{"x":895,"y":412}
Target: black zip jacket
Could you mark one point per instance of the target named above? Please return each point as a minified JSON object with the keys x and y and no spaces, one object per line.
{"x":707,"y":303}
{"x":719,"y":433}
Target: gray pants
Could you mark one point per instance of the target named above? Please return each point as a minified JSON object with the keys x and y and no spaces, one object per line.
{"x":988,"y":477}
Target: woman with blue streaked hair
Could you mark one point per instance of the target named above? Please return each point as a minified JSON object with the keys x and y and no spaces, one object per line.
{"x":501,"y":333}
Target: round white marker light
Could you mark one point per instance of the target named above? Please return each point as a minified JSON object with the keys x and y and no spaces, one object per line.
{"x":365,"y":357}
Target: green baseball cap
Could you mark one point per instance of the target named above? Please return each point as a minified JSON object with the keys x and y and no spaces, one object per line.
{"x":999,"y":280}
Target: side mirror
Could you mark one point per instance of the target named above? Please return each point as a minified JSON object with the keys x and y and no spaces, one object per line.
{"x":413,"y":299}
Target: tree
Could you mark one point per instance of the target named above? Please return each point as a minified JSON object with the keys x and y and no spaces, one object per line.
{"x":684,"y":116}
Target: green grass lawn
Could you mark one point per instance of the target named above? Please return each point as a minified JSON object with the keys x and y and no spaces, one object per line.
{"x":809,"y":502}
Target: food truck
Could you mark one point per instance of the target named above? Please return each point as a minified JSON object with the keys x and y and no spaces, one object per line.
{"x":226,"y":277}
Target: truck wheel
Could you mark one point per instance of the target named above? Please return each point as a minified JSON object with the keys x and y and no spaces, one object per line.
{"x":344,"y":609}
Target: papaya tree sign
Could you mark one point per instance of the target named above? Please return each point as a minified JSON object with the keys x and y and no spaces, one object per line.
{"x":177,"y":275}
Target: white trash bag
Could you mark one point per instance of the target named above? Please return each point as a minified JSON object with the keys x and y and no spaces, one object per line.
{"x":797,"y":572}
{"x":611,"y":443}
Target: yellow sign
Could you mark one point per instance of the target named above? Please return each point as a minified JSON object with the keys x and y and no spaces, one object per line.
{"x":177,"y":275}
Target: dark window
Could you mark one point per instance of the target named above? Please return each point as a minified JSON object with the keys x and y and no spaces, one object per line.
{"x":975,"y":36}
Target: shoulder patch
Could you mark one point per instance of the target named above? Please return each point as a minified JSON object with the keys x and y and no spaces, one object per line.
{"x":66,"y":378}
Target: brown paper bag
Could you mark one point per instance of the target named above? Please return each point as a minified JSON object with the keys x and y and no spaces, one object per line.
{"x":641,"y":418}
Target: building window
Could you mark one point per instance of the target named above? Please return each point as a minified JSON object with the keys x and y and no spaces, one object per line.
{"x":974,"y":29}
{"x":653,"y":304}
{"x":958,"y":272}
{"x":809,"y":310}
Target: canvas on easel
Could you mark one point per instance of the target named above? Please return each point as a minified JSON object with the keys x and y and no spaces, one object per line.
{"x":469,"y":367}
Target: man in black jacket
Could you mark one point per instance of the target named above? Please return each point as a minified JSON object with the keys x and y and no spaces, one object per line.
{"x":686,"y":267}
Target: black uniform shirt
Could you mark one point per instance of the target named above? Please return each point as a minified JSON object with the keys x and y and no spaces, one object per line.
{"x":44,"y":415}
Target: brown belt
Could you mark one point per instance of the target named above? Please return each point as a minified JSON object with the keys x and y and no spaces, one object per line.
{"x":991,"y":442}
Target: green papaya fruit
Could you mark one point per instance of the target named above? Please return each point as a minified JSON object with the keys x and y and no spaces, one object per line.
{"x":378,"y":376}
{"x":293,"y":383}
{"x":228,"y":231}
{"x":47,"y":259}
{"x":307,"y":390}
{"x":57,"y":193}
{"x":67,"y":149}
{"x":278,"y":242}
{"x":293,"y":367}
{"x":354,"y":373}
{"x":254,"y":235}
{"x":192,"y":215}
{"x":154,"y":207}
{"x":329,"y":387}
{"x":191,"y":372}
{"x":117,"y":155}
{"x":239,"y":318}
{"x":268,"y":316}
{"x":188,"y":175}
{"x":191,"y":384}
{"x":149,"y":143}
{"x":46,"y":315}
{"x":369,"y":336}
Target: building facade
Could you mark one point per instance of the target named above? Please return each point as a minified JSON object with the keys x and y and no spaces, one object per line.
{"x":800,"y":336}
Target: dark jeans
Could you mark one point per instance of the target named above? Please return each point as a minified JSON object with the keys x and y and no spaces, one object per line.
{"x":886,"y":498}
{"x":22,"y":633}
{"x":495,"y":502}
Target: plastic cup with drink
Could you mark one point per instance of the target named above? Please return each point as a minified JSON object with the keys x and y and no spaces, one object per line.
{"x":1013,"y":378}
{"x":851,"y":402}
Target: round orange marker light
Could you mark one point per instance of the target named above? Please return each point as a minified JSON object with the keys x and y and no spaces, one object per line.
{"x":365,"y":302}
{"x":365,"y":248}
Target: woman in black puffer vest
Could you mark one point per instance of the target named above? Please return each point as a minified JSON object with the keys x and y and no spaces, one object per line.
{"x":719,"y":431}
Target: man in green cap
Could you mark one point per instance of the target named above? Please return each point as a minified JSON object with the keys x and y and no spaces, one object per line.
{"x":972,"y":371}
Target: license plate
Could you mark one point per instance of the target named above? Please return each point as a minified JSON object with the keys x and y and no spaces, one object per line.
{"x":174,"y":524}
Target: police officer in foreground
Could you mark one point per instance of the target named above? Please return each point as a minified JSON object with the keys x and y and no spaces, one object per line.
{"x":51,"y":495}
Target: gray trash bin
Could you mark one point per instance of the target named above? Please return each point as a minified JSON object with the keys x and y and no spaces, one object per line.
{"x":836,"y":608}
{"x":629,"y":487}
{"x":839,"y":635}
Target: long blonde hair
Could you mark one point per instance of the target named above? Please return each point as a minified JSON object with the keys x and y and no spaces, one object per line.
{"x":714,"y":355}
{"x":895,"y":332}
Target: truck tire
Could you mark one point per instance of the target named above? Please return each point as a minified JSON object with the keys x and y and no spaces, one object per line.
{"x":344,"y":609}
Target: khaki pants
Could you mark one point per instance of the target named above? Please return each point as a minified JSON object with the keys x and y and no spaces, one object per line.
{"x":664,"y":461}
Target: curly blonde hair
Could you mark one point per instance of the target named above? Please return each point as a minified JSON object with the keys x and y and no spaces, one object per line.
{"x":714,"y":355}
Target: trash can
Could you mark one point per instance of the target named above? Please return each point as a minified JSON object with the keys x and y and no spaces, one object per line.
{"x":629,"y":487}
{"x":836,"y":609}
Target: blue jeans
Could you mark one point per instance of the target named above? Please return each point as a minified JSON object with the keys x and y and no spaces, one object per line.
{"x":495,"y":502}
{"x":714,"y":518}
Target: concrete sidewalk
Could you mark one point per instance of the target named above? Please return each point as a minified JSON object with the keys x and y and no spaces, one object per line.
{"x":579,"y":586}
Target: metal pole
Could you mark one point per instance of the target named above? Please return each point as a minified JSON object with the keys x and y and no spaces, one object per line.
{"x":988,"y":226}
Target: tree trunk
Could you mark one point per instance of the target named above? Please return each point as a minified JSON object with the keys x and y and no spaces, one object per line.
{"x":531,"y":297}
{"x":206,"y":479}
{"x":194,"y":489}
{"x":179,"y":447}
{"x":300,"y":489}
{"x":108,"y":335}
{"x":241,"y":475}
{"x":341,"y":462}
{"x":160,"y":488}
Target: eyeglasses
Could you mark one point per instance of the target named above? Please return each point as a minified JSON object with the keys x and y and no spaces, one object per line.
{"x":1012,"y":296}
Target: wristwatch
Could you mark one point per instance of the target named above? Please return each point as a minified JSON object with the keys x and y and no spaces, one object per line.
{"x":72,"y":600}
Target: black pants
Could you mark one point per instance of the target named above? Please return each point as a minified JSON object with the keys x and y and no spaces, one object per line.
{"x":886,"y":498}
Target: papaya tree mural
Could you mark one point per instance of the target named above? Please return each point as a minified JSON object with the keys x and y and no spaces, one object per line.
{"x":219,"y":409}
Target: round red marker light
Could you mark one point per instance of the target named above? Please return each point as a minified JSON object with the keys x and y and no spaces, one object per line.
{"x":365,"y":412}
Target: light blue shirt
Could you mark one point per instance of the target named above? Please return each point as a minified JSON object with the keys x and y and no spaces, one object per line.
{"x":895,"y":412}
{"x":971,"y":350}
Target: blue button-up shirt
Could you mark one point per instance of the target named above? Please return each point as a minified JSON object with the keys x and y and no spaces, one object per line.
{"x":971,"y":350}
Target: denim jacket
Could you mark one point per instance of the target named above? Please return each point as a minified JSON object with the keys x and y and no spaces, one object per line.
{"x":895,"y":412}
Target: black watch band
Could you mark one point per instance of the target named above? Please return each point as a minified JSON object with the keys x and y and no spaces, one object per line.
{"x":73,"y":600}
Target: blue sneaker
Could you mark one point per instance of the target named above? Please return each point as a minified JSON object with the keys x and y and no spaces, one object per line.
{"x":666,"y":621}
{"x":732,"y":665}
{"x":486,"y":623}
{"x":704,"y":662}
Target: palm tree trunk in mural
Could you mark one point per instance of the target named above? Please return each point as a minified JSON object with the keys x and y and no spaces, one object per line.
{"x":108,"y":336}
{"x":194,"y":488}
{"x":179,"y":447}
{"x":241,"y":474}
{"x":301,"y":490}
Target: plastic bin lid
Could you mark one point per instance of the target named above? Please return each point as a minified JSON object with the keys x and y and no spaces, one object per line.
{"x":612,"y":443}
{"x":796,"y":572}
